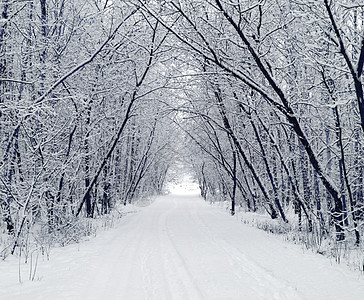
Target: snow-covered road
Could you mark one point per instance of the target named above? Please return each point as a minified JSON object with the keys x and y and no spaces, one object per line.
{"x":179,"y":248}
{"x":182,"y":248}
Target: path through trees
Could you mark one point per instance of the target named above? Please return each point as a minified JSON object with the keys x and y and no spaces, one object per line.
{"x":264,"y":100}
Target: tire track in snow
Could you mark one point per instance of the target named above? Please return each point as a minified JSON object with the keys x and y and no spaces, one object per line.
{"x":114,"y":274}
{"x":148,"y":259}
{"x":278,"y":289}
{"x":213,"y":277}
{"x":152,"y":259}
{"x":179,"y":276}
{"x":128,"y":272}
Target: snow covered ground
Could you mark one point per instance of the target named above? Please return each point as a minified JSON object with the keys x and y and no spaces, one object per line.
{"x":179,"y":247}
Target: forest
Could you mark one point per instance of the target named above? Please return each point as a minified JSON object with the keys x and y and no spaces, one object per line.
{"x":262,"y":99}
